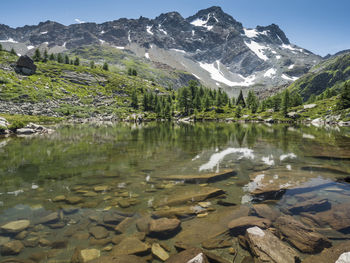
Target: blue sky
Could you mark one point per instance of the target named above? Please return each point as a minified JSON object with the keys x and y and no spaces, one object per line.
{"x":322,"y":26}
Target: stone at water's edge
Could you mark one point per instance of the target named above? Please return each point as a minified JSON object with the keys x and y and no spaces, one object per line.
{"x":15,"y":226}
{"x":11,"y":248}
{"x":302,"y":237}
{"x":268,"y":248}
{"x":192,"y":255}
{"x":163,"y":226}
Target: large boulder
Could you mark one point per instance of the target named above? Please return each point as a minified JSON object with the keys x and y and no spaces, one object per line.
{"x":25,"y":65}
{"x":302,"y":237}
{"x":15,"y":226}
{"x":268,"y":248}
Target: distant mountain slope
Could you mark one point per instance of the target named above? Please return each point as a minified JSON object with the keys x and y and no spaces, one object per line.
{"x":211,"y":45}
{"x":329,"y":74}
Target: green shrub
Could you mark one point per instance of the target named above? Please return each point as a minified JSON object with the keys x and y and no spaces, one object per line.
{"x":16,"y":125}
{"x":2,"y":129}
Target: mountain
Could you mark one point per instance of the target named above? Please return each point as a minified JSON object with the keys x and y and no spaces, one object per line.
{"x":330,"y":74}
{"x":214,"y":47}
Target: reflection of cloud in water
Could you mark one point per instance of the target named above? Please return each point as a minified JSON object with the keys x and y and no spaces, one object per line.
{"x":216,"y":158}
{"x":287,"y":156}
{"x":268,"y":160}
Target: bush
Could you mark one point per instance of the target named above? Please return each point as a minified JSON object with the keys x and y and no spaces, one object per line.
{"x":16,"y":125}
{"x":2,"y":129}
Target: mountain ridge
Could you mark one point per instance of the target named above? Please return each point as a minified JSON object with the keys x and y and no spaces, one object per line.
{"x":214,"y":47}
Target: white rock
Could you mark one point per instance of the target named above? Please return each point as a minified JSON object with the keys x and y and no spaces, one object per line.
{"x":344,"y":258}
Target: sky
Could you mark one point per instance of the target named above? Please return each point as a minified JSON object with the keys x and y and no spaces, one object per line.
{"x":321,"y":26}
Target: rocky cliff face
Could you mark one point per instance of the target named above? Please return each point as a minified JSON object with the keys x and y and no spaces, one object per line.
{"x":211,"y":45}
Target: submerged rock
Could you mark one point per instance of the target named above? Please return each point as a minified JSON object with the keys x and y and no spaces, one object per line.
{"x":264,"y":211}
{"x":11,"y":248}
{"x":201,"y":178}
{"x":99,"y":232}
{"x":85,"y":255}
{"x":338,"y":217}
{"x":130,"y":246}
{"x":302,"y":237}
{"x":240,"y":225}
{"x":332,"y":254}
{"x":15,"y":226}
{"x":268,"y":248}
{"x":315,"y":205}
{"x":159,"y":252}
{"x":164,"y":226}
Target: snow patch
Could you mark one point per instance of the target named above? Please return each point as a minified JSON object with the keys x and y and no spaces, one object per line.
{"x":178,"y":50}
{"x":129,"y":37}
{"x":64,"y":44}
{"x":287,"y":156}
{"x":257,"y":49}
{"x":256,"y":231}
{"x":120,"y":47}
{"x":284,"y":76}
{"x":202,"y":23}
{"x":102,"y":32}
{"x":147,"y":55}
{"x":278,"y":57}
{"x":79,"y":21}
{"x":216,"y":158}
{"x":308,"y":136}
{"x":10,"y":40}
{"x":251,"y":33}
{"x":291,"y":66}
{"x":270,"y":73}
{"x":102,"y":41}
{"x":30,"y":47}
{"x":149,"y":28}
{"x":43,"y":33}
{"x":217,"y":75}
{"x":196,"y":76}
{"x":291,"y":48}
{"x":193,"y":32}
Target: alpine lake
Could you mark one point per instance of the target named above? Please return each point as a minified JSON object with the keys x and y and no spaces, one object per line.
{"x":102,"y":192}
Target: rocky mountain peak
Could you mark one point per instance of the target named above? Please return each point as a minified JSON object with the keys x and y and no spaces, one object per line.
{"x":275,"y":32}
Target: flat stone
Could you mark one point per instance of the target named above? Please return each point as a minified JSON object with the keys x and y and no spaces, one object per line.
{"x":101,"y":188}
{"x":124,"y":203}
{"x":50,"y":219}
{"x":302,"y":237}
{"x":159,"y":252}
{"x":73,"y":200}
{"x":99,"y":232}
{"x":192,"y":255}
{"x":183,"y":211}
{"x":11,"y":248}
{"x":130,"y":246}
{"x":268,"y":248}
{"x":4,"y":240}
{"x":212,"y":257}
{"x":90,"y":194}
{"x":85,"y":255}
{"x":338,"y":217}
{"x":59,"y":198}
{"x":142,"y":224}
{"x":215,"y":243}
{"x":123,"y":225}
{"x":201,"y":178}
{"x":119,"y":259}
{"x":25,"y":131}
{"x":194,"y":195}
{"x":113,"y":218}
{"x":313,"y":205}
{"x":240,"y":225}
{"x":15,"y":226}
{"x":164,"y":226}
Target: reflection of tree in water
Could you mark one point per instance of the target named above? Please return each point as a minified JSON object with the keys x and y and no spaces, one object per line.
{"x":240,"y":134}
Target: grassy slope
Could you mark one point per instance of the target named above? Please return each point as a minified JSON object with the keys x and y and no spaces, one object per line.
{"x":50,"y":83}
{"x":330,"y":74}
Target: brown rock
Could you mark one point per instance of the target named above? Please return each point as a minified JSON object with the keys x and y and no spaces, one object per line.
{"x":99,"y":232}
{"x":264,"y":211}
{"x":123,"y":225}
{"x":202,"y":178}
{"x":113,"y":218}
{"x":49,"y":219}
{"x":183,"y":211}
{"x":15,"y":226}
{"x":238,"y":226}
{"x":215,"y":243}
{"x":130,"y":246}
{"x":215,"y":258}
{"x":159,"y":252}
{"x":268,"y":248}
{"x":310,"y":205}
{"x":119,"y":259}
{"x":189,"y":255}
{"x":338,"y":217}
{"x":73,"y":200}
{"x":164,"y":226}
{"x":12,"y":248}
{"x":142,"y":224}
{"x":329,"y":254}
{"x":300,"y":236}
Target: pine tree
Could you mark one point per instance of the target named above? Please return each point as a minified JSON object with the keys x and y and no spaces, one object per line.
{"x":344,"y":98}
{"x":76,"y":61}
{"x":46,"y":56}
{"x":145,"y":102}
{"x":184,"y":100}
{"x":13,"y":52}
{"x":0,"y":47}
{"x":240,"y":100}
{"x":59,"y":58}
{"x":37,"y":56}
{"x":296,"y":99}
{"x":52,"y":57}
{"x":276,"y":103}
{"x":92,"y":64}
{"x":206,"y":103}
{"x":66,"y":59}
{"x":134,"y":100}
{"x":134,"y":72}
{"x":238,"y":112}
{"x":285,"y":102}
{"x":105,"y":66}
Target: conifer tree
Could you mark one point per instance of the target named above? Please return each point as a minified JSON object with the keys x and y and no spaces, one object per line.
{"x":46,"y":56}
{"x":52,"y":57}
{"x":0,"y":47}
{"x":238,"y":112}
{"x":285,"y":102}
{"x":105,"y":66}
{"x":134,"y":100}
{"x":240,"y":100}
{"x":76,"y":61}
{"x":344,"y":98}
{"x":59,"y":58}
{"x":66,"y":59}
{"x":92,"y":64}
{"x":13,"y":52}
{"x":37,"y":56}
